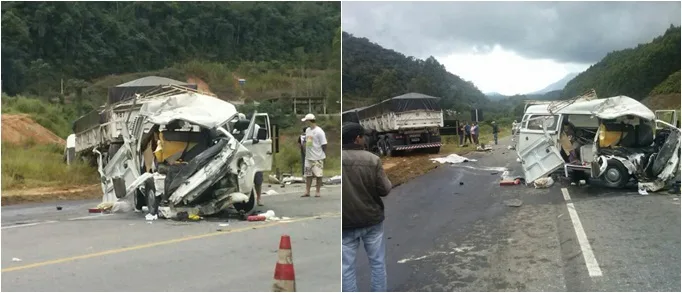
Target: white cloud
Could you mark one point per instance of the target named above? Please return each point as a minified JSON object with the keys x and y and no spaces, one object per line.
{"x":506,"y":72}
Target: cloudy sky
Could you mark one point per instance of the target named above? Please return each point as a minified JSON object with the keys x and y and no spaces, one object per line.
{"x":510,"y":47}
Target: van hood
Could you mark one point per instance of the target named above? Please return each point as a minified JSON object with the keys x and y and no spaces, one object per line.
{"x":202,"y":110}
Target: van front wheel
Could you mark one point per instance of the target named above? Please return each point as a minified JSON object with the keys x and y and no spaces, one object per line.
{"x":616,"y":175}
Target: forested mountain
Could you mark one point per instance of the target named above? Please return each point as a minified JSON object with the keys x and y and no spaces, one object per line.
{"x":372,"y":73}
{"x":44,"y":43}
{"x":633,"y":72}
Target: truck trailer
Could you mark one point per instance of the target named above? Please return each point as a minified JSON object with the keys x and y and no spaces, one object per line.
{"x":408,"y":122}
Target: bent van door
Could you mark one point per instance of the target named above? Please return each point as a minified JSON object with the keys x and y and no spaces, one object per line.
{"x":258,"y":140}
{"x":537,"y":148}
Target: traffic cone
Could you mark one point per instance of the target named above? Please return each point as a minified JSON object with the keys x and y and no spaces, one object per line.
{"x":285,"y":279}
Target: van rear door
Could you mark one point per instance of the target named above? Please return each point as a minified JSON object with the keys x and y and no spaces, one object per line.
{"x":537,"y":148}
{"x":258,"y":140}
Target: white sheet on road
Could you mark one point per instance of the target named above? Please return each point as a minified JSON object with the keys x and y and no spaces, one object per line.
{"x":453,"y":159}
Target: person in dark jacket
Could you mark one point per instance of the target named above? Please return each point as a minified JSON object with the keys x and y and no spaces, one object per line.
{"x":496,"y":130}
{"x":467,"y":132}
{"x":364,"y":182}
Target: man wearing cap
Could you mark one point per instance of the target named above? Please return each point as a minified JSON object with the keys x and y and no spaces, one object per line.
{"x":315,"y":148}
{"x":364,"y":182}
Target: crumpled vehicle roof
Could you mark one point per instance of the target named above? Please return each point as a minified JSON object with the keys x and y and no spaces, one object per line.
{"x":608,"y":108}
{"x":198,"y":109}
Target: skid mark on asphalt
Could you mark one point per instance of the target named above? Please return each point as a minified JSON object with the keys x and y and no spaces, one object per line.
{"x":161,"y":243}
{"x":590,"y":261}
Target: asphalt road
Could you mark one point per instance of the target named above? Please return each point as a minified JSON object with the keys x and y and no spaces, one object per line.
{"x":443,"y":236}
{"x":71,"y":250}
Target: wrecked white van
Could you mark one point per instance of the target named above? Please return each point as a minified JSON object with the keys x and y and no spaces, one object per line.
{"x":187,"y":152}
{"x":613,"y":139}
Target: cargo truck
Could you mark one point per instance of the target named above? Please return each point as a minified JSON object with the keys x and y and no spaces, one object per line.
{"x":408,"y":122}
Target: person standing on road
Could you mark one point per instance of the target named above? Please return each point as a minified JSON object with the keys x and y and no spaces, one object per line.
{"x":467,"y":132}
{"x":496,"y":130}
{"x":301,"y":146}
{"x":364,"y":182}
{"x":474,"y":132}
{"x":514,"y":124}
{"x":315,"y":149}
{"x":460,"y":133}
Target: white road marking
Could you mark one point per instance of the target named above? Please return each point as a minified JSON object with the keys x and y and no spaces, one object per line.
{"x":91,"y":217}
{"x":590,"y":261}
{"x":27,"y":225}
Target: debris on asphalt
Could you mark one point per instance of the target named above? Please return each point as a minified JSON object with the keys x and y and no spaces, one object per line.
{"x":255,"y":218}
{"x":642,"y":191}
{"x":59,"y":208}
{"x":273,"y":179}
{"x":271,"y":192}
{"x":494,"y":173}
{"x":507,"y":182}
{"x":543,"y":182}
{"x":150,"y":217}
{"x":334,"y":180}
{"x":453,"y":159}
{"x":461,"y":183}
{"x":518,"y":160}
{"x":223,"y":225}
{"x":292,"y":179}
{"x":513,"y":202}
{"x":16,"y":259}
{"x":484,"y":148}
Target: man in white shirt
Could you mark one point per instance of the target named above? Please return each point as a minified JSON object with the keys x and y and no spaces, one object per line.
{"x":315,"y":148}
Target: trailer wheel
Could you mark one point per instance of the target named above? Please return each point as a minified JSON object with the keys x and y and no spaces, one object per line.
{"x":616,"y":175}
{"x":381,"y":145}
{"x":389,"y":150}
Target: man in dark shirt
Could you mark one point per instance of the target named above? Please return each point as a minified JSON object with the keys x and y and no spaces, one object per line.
{"x":496,"y":130}
{"x":363,"y":184}
{"x":467,"y":132}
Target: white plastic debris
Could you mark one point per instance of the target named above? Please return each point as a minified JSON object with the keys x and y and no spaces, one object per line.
{"x":122,"y":206}
{"x":271,"y":192}
{"x":642,"y":191}
{"x":150,"y":217}
{"x":453,"y":159}
{"x":334,"y":180}
{"x":14,"y":259}
{"x":518,"y":160}
{"x":289,"y":180}
{"x":223,"y":225}
{"x":543,"y":182}
{"x":268,"y":215}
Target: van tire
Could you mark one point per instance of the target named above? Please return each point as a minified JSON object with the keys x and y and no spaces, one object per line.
{"x":616,"y":175}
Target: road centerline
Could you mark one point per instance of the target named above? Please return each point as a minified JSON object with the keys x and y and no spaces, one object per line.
{"x":590,"y":261}
{"x":159,"y":243}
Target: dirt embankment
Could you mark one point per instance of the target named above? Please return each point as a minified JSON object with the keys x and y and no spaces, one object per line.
{"x":201,"y":85}
{"x":20,"y":128}
{"x":45,"y":194}
{"x":406,"y":167}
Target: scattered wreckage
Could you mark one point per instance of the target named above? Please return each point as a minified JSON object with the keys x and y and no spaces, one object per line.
{"x":614,"y":139}
{"x":187,"y":153}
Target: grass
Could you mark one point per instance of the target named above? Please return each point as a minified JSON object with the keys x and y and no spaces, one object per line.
{"x":33,"y":166}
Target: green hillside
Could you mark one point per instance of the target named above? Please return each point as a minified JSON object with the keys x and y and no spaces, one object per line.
{"x":669,"y":86}
{"x":633,"y":72}
{"x":81,"y":48}
{"x":372,"y":73}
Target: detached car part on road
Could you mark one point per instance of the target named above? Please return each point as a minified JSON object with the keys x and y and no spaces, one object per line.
{"x":187,"y":152}
{"x":613,"y":139}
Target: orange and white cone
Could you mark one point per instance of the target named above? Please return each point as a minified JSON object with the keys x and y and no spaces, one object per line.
{"x":285,"y":279}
